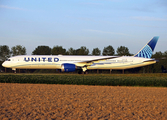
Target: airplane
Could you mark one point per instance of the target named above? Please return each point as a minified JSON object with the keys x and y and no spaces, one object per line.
{"x":70,"y":63}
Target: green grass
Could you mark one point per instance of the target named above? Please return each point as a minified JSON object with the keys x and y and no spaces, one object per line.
{"x":154,"y":80}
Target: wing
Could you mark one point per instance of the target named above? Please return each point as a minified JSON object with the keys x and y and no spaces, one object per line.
{"x":90,"y":62}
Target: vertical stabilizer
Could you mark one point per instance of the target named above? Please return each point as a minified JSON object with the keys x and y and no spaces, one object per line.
{"x":147,"y":50}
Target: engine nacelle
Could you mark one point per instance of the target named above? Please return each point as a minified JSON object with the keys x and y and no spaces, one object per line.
{"x":67,"y":67}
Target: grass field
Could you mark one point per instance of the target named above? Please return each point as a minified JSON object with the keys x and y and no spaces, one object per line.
{"x":154,"y":80}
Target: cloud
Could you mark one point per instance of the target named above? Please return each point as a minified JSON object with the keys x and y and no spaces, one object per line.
{"x":92,"y":3}
{"x":148,"y":26}
{"x":147,"y":18}
{"x":115,"y":0}
{"x":105,"y":32}
{"x":13,"y":8}
{"x":97,"y":4}
{"x":144,"y":9}
{"x":163,"y":2}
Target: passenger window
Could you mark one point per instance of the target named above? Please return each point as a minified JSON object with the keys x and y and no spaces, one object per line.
{"x":8,"y":59}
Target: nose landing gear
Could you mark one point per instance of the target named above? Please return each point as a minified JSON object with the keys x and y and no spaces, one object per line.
{"x":14,"y":69}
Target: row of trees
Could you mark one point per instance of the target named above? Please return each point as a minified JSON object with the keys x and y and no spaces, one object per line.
{"x":56,"y":50}
{"x":160,"y":66}
{"x":5,"y":52}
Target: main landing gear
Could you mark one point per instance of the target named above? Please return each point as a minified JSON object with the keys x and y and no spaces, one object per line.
{"x":83,"y":71}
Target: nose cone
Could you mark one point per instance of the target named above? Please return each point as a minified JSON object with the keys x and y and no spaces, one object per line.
{"x":4,"y":64}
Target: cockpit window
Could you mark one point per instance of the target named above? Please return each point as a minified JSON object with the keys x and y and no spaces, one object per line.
{"x":8,"y":60}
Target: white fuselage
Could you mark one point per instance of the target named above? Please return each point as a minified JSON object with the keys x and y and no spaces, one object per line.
{"x":55,"y":62}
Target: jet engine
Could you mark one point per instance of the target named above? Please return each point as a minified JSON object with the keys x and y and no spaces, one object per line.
{"x":67,"y":67}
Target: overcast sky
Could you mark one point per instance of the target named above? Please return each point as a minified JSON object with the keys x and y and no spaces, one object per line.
{"x":90,"y":23}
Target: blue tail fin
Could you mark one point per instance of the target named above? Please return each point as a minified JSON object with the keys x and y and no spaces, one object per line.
{"x":147,"y":50}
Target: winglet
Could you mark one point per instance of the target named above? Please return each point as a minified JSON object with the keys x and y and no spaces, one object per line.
{"x":147,"y":50}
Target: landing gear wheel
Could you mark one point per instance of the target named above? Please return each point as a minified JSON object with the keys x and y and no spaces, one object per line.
{"x":86,"y":72}
{"x":80,"y":72}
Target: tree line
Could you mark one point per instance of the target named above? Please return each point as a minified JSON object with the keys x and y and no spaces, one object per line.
{"x":160,"y":66}
{"x":56,"y":50}
{"x":5,"y":52}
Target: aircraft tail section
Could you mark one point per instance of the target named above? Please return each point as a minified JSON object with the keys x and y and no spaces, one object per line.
{"x":147,"y":50}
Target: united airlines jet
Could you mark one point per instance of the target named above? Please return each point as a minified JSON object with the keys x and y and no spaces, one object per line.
{"x":69,"y":63}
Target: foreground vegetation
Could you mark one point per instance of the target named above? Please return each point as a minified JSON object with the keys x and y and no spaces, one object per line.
{"x":153,"y":80}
